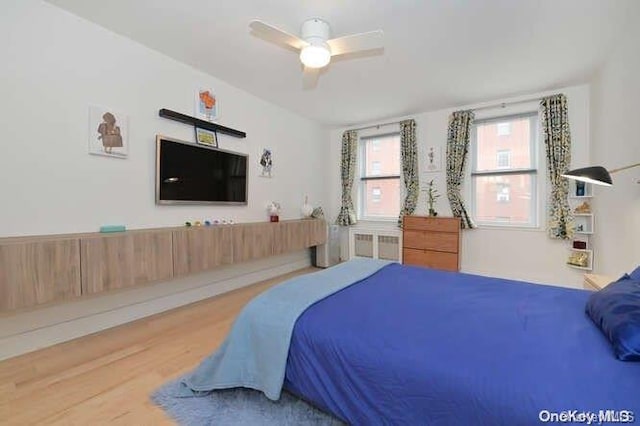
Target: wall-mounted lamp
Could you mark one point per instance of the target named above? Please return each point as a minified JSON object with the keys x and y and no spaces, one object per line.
{"x":596,"y":174}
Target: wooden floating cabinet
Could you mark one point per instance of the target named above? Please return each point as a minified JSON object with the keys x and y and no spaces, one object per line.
{"x":37,"y":270}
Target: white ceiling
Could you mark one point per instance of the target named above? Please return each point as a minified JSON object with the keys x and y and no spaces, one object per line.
{"x":438,"y":53}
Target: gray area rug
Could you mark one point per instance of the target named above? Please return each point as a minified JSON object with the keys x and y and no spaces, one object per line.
{"x":239,"y":406}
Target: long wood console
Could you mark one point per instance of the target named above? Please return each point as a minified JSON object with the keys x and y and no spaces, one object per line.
{"x":44,"y":269}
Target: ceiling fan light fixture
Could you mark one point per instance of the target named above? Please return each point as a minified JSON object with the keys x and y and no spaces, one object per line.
{"x":315,"y":55}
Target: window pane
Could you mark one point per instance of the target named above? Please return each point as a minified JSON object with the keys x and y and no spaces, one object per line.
{"x":382,"y":155}
{"x":381,"y":197}
{"x":492,"y":139}
{"x":505,"y":199}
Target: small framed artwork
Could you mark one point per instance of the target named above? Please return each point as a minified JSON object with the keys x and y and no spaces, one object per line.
{"x":108,"y":132}
{"x":434,"y":160}
{"x":266,"y":162}
{"x":207,"y":105}
{"x":206,"y":137}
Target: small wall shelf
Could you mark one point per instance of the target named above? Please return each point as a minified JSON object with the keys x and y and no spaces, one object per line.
{"x":201,"y":124}
{"x":581,"y":250}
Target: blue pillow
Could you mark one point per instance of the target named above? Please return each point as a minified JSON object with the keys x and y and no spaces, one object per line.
{"x":616,"y":311}
{"x":635,"y":275}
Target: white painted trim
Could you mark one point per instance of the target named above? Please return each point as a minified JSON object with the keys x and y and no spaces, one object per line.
{"x":39,"y":328}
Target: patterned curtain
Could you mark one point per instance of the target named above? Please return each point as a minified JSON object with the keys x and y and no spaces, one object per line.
{"x":347,"y":214}
{"x":557,"y":140}
{"x":409,"y":159}
{"x":457,"y":149}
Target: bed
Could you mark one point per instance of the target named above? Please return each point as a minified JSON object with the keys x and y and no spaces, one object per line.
{"x":410,"y":345}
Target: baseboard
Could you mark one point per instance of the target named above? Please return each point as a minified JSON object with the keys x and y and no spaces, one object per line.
{"x":29,"y":331}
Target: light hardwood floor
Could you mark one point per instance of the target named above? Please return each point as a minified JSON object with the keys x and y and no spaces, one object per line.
{"x":107,"y":377}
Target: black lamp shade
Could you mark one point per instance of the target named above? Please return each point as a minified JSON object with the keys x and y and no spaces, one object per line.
{"x":596,"y":174}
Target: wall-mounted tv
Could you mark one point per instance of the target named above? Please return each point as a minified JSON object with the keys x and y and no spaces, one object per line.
{"x":187,"y":173}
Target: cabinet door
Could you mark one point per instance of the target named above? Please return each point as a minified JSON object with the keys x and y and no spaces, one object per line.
{"x":253,"y":241}
{"x":119,"y":261}
{"x":200,"y":249}
{"x":32,"y":273}
{"x":317,"y":232}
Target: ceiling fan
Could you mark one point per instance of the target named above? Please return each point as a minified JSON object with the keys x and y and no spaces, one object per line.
{"x":316,"y":49}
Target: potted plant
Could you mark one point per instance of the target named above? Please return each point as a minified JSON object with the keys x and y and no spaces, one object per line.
{"x":432,"y":196}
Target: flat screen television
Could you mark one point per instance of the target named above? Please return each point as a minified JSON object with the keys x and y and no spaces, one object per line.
{"x":187,"y":173}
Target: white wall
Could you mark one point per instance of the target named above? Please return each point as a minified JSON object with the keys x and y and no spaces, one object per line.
{"x":525,"y":254}
{"x":616,"y":143}
{"x":56,"y":64}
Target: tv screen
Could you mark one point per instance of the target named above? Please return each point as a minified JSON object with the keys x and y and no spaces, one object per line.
{"x":193,"y":174}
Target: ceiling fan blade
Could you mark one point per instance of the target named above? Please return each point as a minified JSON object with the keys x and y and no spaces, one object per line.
{"x":356,"y":42}
{"x":310,"y":78}
{"x":276,"y":34}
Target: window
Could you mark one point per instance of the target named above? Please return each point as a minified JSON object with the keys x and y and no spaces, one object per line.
{"x":504,"y":159}
{"x":375,"y":168}
{"x":504,"y":129}
{"x":376,"y":194}
{"x":503,"y":192}
{"x":379,"y":187}
{"x":504,"y":180}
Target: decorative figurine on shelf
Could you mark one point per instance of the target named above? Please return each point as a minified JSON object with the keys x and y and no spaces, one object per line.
{"x":583,"y":208}
{"x":579,"y":258}
{"x":432,"y":196}
{"x":306,"y":209}
{"x":274,"y":211}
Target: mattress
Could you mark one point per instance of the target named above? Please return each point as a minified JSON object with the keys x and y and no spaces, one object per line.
{"x":411,"y":345}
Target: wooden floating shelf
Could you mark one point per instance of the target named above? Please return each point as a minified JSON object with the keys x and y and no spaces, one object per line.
{"x":201,"y":124}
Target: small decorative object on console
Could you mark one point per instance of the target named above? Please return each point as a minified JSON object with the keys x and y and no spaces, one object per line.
{"x":274,"y":211}
{"x":307,"y":209}
{"x":318,"y":213}
{"x":112,"y":228}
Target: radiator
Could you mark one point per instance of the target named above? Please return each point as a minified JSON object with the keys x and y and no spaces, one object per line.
{"x":375,"y":243}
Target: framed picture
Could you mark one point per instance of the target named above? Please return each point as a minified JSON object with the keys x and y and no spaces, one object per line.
{"x":207,"y":105}
{"x":206,"y":137}
{"x":108,"y":132}
{"x":434,"y":159}
{"x":266,"y":162}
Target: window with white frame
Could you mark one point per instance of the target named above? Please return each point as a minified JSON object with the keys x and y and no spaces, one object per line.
{"x":503,"y":159}
{"x":504,"y":171}
{"x":376,"y":195}
{"x":376,"y":168}
{"x":379,"y":187}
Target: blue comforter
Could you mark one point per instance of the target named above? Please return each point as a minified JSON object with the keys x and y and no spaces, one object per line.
{"x":417,"y":346}
{"x":254,"y":354}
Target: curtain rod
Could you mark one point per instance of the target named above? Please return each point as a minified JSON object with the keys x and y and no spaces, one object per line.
{"x":504,"y":104}
{"x":375,"y":126}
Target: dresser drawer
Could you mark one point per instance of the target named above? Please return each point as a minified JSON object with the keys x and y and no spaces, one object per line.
{"x":431,"y":259}
{"x":439,"y":241}
{"x":426,"y":223}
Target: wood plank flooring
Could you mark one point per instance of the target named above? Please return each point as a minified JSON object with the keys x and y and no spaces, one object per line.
{"x":107,"y":377}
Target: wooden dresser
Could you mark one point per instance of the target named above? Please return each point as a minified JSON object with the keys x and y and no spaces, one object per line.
{"x":433,"y":242}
